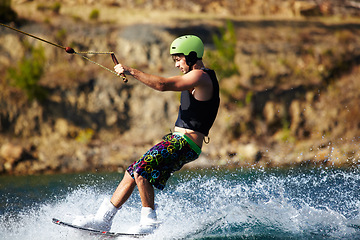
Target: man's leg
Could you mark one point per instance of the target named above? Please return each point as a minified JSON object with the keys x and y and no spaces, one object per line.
{"x":103,"y":218}
{"x":123,"y":191}
{"x":146,"y":191}
{"x":148,"y":220}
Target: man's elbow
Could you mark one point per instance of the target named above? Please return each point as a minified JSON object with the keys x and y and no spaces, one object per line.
{"x":162,"y":86}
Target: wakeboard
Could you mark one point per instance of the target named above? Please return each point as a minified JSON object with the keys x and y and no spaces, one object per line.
{"x":97,"y":232}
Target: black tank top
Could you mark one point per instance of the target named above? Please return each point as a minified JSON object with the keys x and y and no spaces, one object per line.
{"x":199,"y":115}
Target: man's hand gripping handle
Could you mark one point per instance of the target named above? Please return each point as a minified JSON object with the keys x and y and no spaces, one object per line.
{"x":117,"y":62}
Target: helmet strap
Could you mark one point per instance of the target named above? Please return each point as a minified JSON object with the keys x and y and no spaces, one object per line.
{"x":191,"y":59}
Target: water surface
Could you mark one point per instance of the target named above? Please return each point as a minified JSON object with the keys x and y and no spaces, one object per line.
{"x":205,"y":204}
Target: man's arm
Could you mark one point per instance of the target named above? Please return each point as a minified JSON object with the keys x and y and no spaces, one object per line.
{"x":187,"y":81}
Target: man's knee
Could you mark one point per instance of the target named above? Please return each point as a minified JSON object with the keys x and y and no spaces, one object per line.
{"x":139,"y":179}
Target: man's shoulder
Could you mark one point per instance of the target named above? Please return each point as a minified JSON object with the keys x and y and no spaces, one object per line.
{"x":201,"y":72}
{"x":203,"y":75}
{"x":196,"y":73}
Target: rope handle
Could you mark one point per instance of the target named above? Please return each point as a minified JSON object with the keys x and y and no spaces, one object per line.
{"x":117,"y":62}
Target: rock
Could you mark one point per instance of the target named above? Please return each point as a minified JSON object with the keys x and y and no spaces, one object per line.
{"x":305,"y":8}
{"x":62,"y":127}
{"x":11,"y":154}
{"x":144,"y":45}
{"x":249,"y":152}
{"x":273,"y":112}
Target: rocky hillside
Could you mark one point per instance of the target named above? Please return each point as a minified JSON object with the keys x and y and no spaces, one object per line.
{"x":289,"y":86}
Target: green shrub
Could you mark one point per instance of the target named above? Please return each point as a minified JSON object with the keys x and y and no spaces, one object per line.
{"x":94,"y":14}
{"x":28,"y":73}
{"x":60,"y":36}
{"x":41,"y":7}
{"x":56,"y":7}
{"x":85,"y":135}
{"x":222,"y":59}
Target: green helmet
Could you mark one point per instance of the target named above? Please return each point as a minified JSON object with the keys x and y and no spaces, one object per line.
{"x":187,"y":44}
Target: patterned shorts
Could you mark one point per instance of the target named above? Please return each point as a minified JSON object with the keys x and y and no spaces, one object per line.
{"x":163,"y":159}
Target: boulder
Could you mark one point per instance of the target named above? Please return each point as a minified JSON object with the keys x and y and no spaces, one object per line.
{"x":11,"y":154}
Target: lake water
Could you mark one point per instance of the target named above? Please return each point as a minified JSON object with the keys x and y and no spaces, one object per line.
{"x":207,"y":204}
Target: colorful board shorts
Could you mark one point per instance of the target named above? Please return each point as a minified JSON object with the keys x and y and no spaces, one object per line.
{"x":166,"y":157}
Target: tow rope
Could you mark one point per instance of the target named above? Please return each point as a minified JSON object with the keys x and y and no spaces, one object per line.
{"x":72,"y":51}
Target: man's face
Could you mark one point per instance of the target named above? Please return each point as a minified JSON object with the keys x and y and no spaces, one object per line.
{"x":180,"y":62}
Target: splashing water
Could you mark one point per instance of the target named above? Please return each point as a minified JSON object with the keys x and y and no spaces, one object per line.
{"x":207,"y":204}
